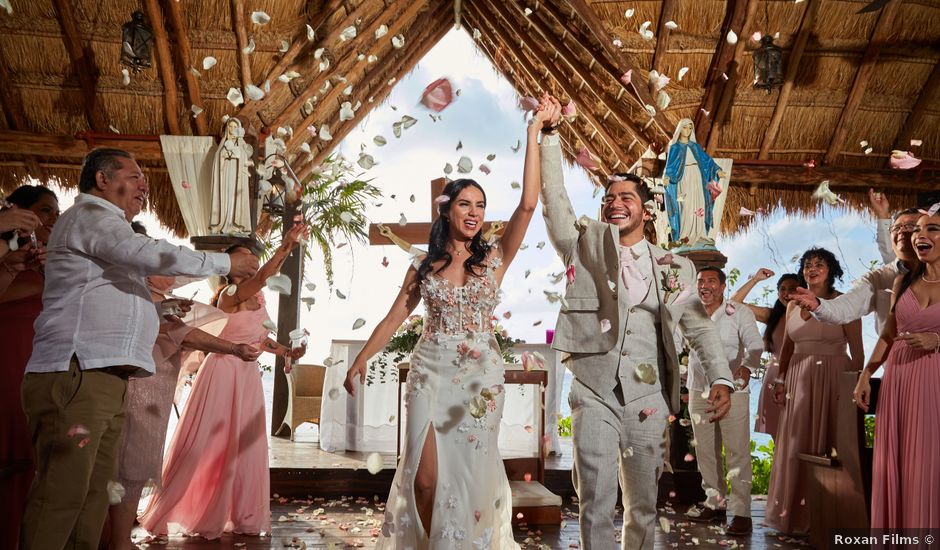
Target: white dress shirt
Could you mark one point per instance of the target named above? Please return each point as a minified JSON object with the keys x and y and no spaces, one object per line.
{"x":740,"y":339}
{"x":96,"y":304}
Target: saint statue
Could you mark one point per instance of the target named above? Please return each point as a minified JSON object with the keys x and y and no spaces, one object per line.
{"x":692,"y":181}
{"x":230,"y":214}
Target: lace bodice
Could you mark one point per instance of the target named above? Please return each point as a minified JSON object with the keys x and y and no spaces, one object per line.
{"x":453,"y":309}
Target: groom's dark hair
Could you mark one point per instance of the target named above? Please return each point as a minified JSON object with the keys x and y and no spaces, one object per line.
{"x":642,"y":189}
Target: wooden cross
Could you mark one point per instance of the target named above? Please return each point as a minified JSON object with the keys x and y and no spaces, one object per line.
{"x":415,"y":233}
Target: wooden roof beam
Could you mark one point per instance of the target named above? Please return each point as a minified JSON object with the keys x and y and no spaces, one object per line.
{"x":883,"y":29}
{"x":29,"y":144}
{"x":662,"y":34}
{"x":241,"y":38}
{"x":379,"y":48}
{"x":715,"y":82}
{"x":598,"y":28}
{"x":184,"y":63}
{"x":511,"y":42}
{"x":83,"y":65}
{"x":407,"y":62}
{"x":298,"y":100}
{"x":582,"y":72}
{"x":919,"y":112}
{"x":171,"y":101}
{"x":722,"y":113}
{"x":807,"y":24}
{"x":771,"y":174}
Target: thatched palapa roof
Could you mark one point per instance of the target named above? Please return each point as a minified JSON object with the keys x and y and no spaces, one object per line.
{"x":850,"y":78}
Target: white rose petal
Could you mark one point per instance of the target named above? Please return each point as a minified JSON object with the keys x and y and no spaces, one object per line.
{"x":235,"y":97}
{"x":196,"y":109}
{"x":115,"y":492}
{"x":311,"y":34}
{"x":348,"y":33}
{"x":672,"y":25}
{"x":208,"y":62}
{"x":682,"y":72}
{"x":260,"y":18}
{"x":374,"y":463}
{"x":254,"y":92}
{"x":125,"y":76}
{"x":464,"y":165}
{"x":476,"y":34}
{"x":629,"y":13}
{"x":381,"y":31}
{"x":365,"y":161}
{"x":403,"y":221}
{"x":732,"y":38}
{"x":346,"y":112}
{"x":359,"y":323}
{"x":250,"y":47}
{"x":398,"y":41}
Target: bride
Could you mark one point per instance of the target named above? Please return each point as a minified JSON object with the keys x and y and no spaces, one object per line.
{"x":450,"y":489}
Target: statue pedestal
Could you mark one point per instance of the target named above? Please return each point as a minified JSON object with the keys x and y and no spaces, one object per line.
{"x":704,"y":257}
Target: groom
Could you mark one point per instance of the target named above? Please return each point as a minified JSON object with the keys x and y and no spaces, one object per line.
{"x":624,"y":299}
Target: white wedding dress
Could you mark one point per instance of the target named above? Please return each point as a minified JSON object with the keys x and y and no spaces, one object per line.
{"x":454,"y":391}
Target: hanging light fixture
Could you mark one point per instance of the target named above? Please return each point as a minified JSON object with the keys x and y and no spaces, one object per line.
{"x":768,"y":65}
{"x":136,"y":43}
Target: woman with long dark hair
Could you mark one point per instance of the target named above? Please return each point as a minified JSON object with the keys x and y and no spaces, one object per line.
{"x":22,"y":280}
{"x":450,"y":489}
{"x":906,"y":468}
{"x":768,"y":411}
{"x":812,"y":359}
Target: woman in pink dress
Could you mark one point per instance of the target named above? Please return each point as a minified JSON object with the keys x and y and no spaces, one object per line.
{"x":811,"y":360}
{"x":215,"y":475}
{"x":768,"y":411}
{"x":906,"y":469}
{"x":21,"y":284}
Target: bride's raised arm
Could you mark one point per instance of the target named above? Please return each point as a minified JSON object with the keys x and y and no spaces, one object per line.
{"x":547,"y":116}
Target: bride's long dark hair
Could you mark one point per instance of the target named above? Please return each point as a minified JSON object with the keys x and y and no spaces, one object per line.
{"x":440,"y":233}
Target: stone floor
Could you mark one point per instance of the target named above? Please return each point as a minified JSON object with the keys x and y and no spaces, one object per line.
{"x":355,"y":522}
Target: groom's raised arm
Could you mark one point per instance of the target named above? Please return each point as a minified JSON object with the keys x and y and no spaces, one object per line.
{"x":556,"y":206}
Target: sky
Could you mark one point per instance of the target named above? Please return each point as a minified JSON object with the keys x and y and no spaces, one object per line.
{"x":486,"y":120}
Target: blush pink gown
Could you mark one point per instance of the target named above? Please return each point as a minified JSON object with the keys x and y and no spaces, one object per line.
{"x":215,"y":476}
{"x":906,"y":470}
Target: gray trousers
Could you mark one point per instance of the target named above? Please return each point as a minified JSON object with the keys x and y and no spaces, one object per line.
{"x":617,"y":441}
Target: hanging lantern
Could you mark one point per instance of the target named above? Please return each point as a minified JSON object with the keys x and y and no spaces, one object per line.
{"x":768,"y":65}
{"x":136,"y":43}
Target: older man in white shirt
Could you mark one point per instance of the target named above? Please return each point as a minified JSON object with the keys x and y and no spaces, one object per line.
{"x":743,"y":346}
{"x":97,"y":329}
{"x":872,"y":291}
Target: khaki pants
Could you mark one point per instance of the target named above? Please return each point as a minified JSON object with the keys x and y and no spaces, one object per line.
{"x":732,"y":432}
{"x":68,"y":500}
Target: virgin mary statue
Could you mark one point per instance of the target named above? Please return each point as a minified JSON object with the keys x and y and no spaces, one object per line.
{"x":230,"y":194}
{"x":689,"y":172}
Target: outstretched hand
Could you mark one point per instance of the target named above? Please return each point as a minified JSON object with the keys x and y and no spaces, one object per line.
{"x":878,"y":202}
{"x":804,"y":298}
{"x":548,"y":113}
{"x":356,"y":371}
{"x":294,"y":235}
{"x":763,"y":274}
{"x":719,"y":399}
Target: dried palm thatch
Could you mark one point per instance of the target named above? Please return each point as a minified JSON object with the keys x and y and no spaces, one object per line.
{"x":870,"y":77}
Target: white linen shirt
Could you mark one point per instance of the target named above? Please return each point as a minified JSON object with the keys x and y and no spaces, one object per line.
{"x":740,"y":340}
{"x":96,"y":304}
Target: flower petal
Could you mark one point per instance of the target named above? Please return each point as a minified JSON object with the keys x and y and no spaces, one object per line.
{"x":260,"y":18}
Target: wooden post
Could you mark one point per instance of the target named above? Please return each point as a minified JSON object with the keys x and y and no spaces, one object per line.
{"x":171,"y":102}
{"x":184,"y":63}
{"x":288,"y":319}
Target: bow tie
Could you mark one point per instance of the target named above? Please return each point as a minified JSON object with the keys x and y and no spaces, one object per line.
{"x":632,"y":279}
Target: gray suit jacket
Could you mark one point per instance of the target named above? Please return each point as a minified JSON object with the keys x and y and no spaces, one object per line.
{"x":590,"y":246}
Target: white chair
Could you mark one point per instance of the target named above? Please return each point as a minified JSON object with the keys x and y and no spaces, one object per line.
{"x":305,"y":391}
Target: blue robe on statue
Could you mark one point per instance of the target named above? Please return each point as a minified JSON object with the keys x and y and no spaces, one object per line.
{"x":675,"y":169}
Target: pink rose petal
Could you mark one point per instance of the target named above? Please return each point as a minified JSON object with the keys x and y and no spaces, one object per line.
{"x":528,"y":103}
{"x":570,"y":109}
{"x":756,"y":36}
{"x":476,"y":515}
{"x":729,"y":308}
{"x":569,"y":274}
{"x":184,"y":184}
{"x":689,"y":458}
{"x":441,"y":199}
{"x":626,"y":77}
{"x":700,"y":212}
{"x":77,"y":429}
{"x":438,"y":95}
{"x":605,"y":325}
{"x":714,"y":189}
{"x":665,"y":260}
{"x":903,"y":160}
{"x":586,"y":160}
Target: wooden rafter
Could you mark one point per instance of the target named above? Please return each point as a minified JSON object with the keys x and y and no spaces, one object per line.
{"x":807,"y":24}
{"x":29,"y":144}
{"x":662,"y":34}
{"x":722,"y":113}
{"x":83,"y":65}
{"x":407,"y":61}
{"x":916,"y":118}
{"x":715,"y":79}
{"x":512,"y":43}
{"x":569,"y":133}
{"x":184,"y":62}
{"x":298,"y":100}
{"x":378,"y":48}
{"x":883,"y":28}
{"x":171,"y":101}
{"x":598,"y":29}
{"x":241,"y":38}
{"x":582,"y":72}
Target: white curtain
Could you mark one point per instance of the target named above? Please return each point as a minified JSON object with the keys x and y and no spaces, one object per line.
{"x":369,"y":421}
{"x":189,"y":162}
{"x":719,"y":207}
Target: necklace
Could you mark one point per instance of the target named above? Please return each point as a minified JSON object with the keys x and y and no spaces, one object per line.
{"x":926,"y":280}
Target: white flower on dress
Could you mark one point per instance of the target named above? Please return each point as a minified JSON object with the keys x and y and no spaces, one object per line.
{"x":452,"y":502}
{"x":452,"y":532}
{"x":483,"y":543}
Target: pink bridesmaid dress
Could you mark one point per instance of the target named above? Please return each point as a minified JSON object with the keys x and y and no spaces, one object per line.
{"x":215,"y":476}
{"x":807,"y":419}
{"x":768,"y":411}
{"x":906,"y":469}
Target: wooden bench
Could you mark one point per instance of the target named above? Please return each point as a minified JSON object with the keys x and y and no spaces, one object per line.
{"x":840,"y":485}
